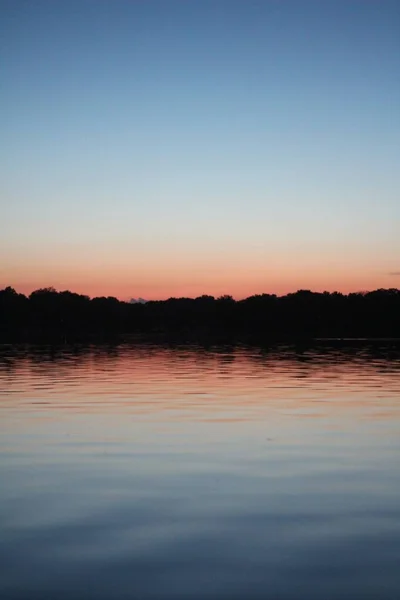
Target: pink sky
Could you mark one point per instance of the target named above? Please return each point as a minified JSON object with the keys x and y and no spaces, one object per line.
{"x":239,"y":283}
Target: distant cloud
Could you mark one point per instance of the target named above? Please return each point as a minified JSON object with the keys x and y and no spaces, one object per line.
{"x":395,"y":273}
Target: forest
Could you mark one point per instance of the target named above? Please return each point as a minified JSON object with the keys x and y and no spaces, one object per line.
{"x":304,"y":315}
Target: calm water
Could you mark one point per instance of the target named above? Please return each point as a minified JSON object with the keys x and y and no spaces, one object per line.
{"x":184,"y":473}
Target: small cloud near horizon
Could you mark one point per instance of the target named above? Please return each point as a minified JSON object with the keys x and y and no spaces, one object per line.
{"x":395,"y":273}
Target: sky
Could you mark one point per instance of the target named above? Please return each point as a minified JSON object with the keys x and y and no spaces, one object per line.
{"x":185,"y":147}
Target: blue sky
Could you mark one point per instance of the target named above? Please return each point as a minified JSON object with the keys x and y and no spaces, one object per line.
{"x":158,"y":148}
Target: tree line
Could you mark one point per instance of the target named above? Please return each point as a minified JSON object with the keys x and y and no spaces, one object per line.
{"x":65,"y":315}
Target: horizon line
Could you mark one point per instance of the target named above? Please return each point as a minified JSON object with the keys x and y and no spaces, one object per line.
{"x":140,"y":300}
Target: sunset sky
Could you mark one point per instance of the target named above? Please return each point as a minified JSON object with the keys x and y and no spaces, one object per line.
{"x":185,"y":147}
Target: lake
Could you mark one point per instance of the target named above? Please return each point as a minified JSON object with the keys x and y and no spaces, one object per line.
{"x":156,"y":472}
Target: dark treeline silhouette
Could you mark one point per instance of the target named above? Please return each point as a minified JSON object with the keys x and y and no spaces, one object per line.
{"x":65,"y":315}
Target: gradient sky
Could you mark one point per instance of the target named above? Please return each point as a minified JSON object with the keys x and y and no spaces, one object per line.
{"x":181,"y":147}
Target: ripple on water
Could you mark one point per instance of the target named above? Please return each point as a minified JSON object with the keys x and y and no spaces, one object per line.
{"x":190,"y":473}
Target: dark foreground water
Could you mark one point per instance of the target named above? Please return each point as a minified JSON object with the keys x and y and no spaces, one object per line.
{"x":184,"y":473}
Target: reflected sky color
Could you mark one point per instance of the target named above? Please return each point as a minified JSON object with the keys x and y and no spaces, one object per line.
{"x":199,"y":474}
{"x":175,"y":148}
{"x":190,"y":383}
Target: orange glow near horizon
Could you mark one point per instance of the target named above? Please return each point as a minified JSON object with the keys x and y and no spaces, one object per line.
{"x":156,"y":272}
{"x":240,"y":286}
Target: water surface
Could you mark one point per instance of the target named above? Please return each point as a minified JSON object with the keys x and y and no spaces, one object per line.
{"x":190,"y":473}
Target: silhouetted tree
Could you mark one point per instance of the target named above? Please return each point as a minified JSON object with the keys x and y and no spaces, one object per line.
{"x":300,"y":315}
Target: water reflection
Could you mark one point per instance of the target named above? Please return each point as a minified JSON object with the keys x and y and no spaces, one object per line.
{"x":187,"y":472}
{"x":157,"y":378}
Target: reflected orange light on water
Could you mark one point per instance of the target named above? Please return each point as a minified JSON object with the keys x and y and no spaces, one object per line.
{"x":197,"y":384}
